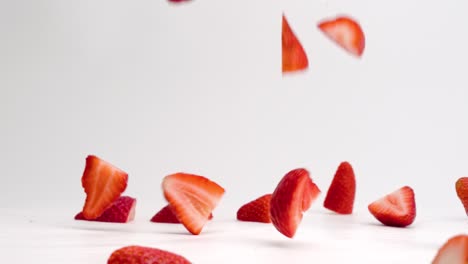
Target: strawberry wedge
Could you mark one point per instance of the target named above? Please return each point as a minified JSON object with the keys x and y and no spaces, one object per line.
{"x":145,"y":255}
{"x":346,"y":33}
{"x":454,"y":251}
{"x":192,"y":199}
{"x":165,"y":215}
{"x":121,"y":211}
{"x":294,"y":56}
{"x":257,"y":210}
{"x":103,"y":184}
{"x":396,"y":209}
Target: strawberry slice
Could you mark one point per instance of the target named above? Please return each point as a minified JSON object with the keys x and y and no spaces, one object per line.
{"x":121,"y":211}
{"x":395,"y":209}
{"x":294,"y":56}
{"x":454,"y":251}
{"x":345,"y":32}
{"x":461,"y":186}
{"x":165,"y":215}
{"x":103,"y":184}
{"x":293,"y":195}
{"x":192,"y":199}
{"x":257,"y":210}
{"x":340,"y":195}
{"x":139,"y":254}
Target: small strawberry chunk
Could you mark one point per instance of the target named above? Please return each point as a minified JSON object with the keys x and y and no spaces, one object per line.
{"x":165,"y":215}
{"x":396,"y":209}
{"x":257,"y":210}
{"x":192,"y":199}
{"x":121,"y":211}
{"x":294,"y":56}
{"x":461,"y":187}
{"x":346,"y":32}
{"x":454,"y":251}
{"x":143,"y":255}
{"x":340,"y":195}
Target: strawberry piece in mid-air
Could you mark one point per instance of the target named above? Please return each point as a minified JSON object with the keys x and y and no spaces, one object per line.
{"x":340,"y":195}
{"x":294,"y":56}
{"x":103,"y":184}
{"x":461,"y":187}
{"x":165,"y":215}
{"x":293,"y":196}
{"x":192,"y":199}
{"x":345,"y":32}
{"x":139,"y":254}
{"x":396,"y":209}
{"x":121,"y":211}
{"x":454,"y":251}
{"x":257,"y":210}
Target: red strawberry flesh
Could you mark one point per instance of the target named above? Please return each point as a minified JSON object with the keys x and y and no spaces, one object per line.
{"x":454,"y":251}
{"x":346,"y":32}
{"x":342,"y":190}
{"x":396,"y":209}
{"x":121,"y":211}
{"x":165,"y":215}
{"x":257,"y":210}
{"x":145,"y":255}
{"x":461,"y":187}
{"x":293,"y":54}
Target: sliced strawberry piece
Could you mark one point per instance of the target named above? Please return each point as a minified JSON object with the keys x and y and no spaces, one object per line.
{"x":461,"y":186}
{"x":103,"y":184}
{"x":142,"y":255}
{"x":165,"y":215}
{"x":341,"y":193}
{"x":294,"y":56}
{"x":257,"y":210}
{"x":121,"y":211}
{"x":192,"y":199}
{"x":293,"y":195}
{"x":178,"y":1}
{"x":395,"y":209}
{"x":345,"y":32}
{"x":454,"y":251}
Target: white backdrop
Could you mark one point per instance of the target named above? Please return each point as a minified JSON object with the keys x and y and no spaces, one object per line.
{"x":156,"y":88}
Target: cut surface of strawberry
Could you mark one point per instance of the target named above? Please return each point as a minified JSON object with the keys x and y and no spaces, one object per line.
{"x":121,"y":211}
{"x":257,"y":210}
{"x":145,"y":255}
{"x":192,"y":199}
{"x":461,"y":187}
{"x":293,"y":195}
{"x":103,"y":184}
{"x":454,"y":251}
{"x":342,"y":190}
{"x":165,"y":215}
{"x":293,"y":54}
{"x":396,"y":209}
{"x":346,"y":32}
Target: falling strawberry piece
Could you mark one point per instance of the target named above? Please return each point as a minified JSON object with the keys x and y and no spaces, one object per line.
{"x":192,"y":199}
{"x":143,"y":255}
{"x":454,"y":251}
{"x":345,"y":32}
{"x":395,"y":209}
{"x":257,"y":210}
{"x":165,"y":215}
{"x":340,"y":195}
{"x":461,"y":186}
{"x":103,"y":184}
{"x":293,"y":195}
{"x":178,"y":1}
{"x":294,"y":56}
{"x":121,"y":211}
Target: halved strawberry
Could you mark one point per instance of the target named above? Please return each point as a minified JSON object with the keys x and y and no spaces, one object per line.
{"x":461,"y":186}
{"x":294,"y":56}
{"x":346,"y":32}
{"x":257,"y":210}
{"x":165,"y":215}
{"x":103,"y":184}
{"x":340,"y":195}
{"x":192,"y":199}
{"x":293,"y":195}
{"x":121,"y":211}
{"x":395,"y":209}
{"x":454,"y":251}
{"x":142,"y":255}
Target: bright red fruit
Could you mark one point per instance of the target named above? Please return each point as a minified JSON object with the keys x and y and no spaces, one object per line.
{"x":192,"y":199}
{"x":454,"y":251}
{"x":165,"y":215}
{"x":345,"y":32}
{"x":294,"y":56}
{"x":145,"y":255}
{"x":293,"y":195}
{"x":395,"y":209}
{"x":257,"y":210}
{"x":461,"y":187}
{"x":341,"y":193}
{"x":103,"y":184}
{"x":121,"y":211}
